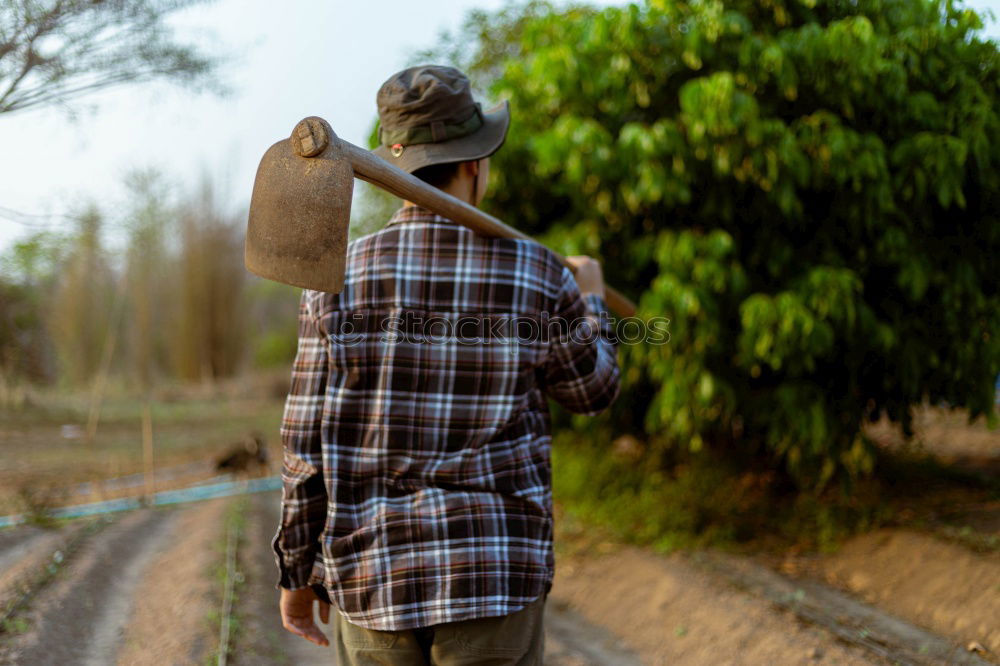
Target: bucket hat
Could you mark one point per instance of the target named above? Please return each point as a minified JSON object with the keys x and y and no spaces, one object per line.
{"x":427,"y":116}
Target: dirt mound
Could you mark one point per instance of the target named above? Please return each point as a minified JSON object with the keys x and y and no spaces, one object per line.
{"x":668,"y":611}
{"x":930,"y":582}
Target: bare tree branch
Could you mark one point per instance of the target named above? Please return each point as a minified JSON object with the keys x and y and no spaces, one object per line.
{"x":54,"y":51}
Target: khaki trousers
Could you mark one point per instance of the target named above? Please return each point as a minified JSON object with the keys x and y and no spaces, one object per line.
{"x":515,"y":640}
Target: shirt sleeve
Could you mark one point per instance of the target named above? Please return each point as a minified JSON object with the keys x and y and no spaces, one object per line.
{"x":304,"y":498}
{"x":581,"y":370}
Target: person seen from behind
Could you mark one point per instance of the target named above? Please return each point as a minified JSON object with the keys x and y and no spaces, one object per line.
{"x":417,"y":494}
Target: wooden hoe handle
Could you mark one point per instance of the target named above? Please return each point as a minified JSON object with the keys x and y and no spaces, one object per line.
{"x":378,"y":172}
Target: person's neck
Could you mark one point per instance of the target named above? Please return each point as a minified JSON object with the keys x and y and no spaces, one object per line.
{"x":460,"y":188}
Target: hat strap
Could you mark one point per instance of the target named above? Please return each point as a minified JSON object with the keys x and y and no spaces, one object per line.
{"x":436,"y":132}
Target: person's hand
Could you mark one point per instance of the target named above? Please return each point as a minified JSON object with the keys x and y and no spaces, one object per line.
{"x":297,"y":614}
{"x":587,"y":272}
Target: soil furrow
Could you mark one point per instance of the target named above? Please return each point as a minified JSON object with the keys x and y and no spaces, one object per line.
{"x":33,"y":564}
{"x":263,"y":640}
{"x":849,"y":619}
{"x":932,"y":583}
{"x":19,"y":558}
{"x":14,"y":552}
{"x":175,"y":599}
{"x":79,"y":617}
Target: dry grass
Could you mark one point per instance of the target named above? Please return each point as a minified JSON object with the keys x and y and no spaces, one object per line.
{"x":45,"y":455}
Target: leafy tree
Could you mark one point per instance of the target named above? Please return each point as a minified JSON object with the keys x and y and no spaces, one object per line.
{"x":808,"y":189}
{"x":28,"y":272}
{"x":52,"y":51}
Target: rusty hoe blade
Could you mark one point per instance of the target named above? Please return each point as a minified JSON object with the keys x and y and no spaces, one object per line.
{"x":301,"y":207}
{"x":300,"y":210}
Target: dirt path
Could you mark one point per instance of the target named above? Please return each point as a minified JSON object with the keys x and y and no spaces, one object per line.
{"x":262,"y":639}
{"x":80,"y":617}
{"x":146,"y":589}
{"x":628,"y":606}
{"x":569,"y":641}
{"x":179,"y":592}
{"x":572,"y":641}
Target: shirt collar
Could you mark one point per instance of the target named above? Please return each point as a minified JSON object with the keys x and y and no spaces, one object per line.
{"x":416,"y":214}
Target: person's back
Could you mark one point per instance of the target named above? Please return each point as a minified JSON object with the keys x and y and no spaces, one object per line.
{"x":416,"y":433}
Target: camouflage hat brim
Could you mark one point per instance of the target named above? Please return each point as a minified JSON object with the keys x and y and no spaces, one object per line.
{"x":482,"y":143}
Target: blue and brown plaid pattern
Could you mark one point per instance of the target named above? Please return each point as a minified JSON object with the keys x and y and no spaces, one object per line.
{"x":416,"y":434}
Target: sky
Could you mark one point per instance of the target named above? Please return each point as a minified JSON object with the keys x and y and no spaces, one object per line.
{"x":289,"y":60}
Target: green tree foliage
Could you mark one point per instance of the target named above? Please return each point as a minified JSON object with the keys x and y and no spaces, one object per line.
{"x":54,"y":51}
{"x":274,"y":309}
{"x":808,"y":189}
{"x":28,"y":273}
{"x":372,"y":206}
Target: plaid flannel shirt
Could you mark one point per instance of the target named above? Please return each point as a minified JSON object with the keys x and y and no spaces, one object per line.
{"x":416,"y":435}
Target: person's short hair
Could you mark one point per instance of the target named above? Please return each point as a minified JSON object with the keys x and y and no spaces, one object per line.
{"x":438,"y":175}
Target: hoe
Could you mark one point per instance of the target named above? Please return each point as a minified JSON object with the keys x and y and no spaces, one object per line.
{"x":301,"y":207}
